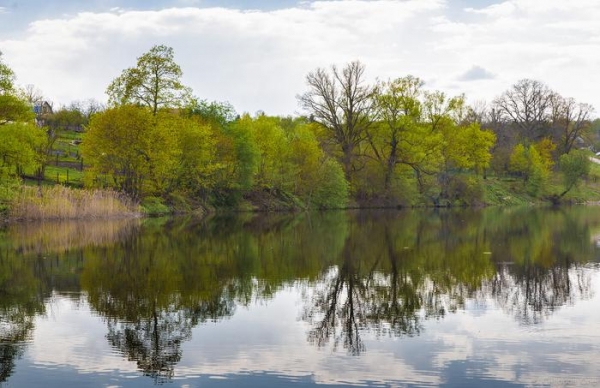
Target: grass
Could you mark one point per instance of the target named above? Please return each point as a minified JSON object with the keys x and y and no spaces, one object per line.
{"x":64,"y":175}
{"x":509,"y":191}
{"x":505,"y":191}
{"x":60,"y":203}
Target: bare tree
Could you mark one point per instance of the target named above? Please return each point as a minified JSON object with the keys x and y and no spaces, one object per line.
{"x":479,"y":113}
{"x":341,"y":102}
{"x":527,"y":104}
{"x":32,"y":94}
{"x":570,"y":119}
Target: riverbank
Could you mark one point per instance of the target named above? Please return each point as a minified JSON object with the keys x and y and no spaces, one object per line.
{"x":60,"y":203}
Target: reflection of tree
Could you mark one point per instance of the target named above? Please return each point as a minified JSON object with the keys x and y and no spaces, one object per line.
{"x":540,"y":269}
{"x":394,"y":272}
{"x":154,"y":343}
{"x":139,"y":287}
{"x":21,"y":299}
{"x":533,"y":292}
{"x":395,"y":299}
{"x":14,"y":332}
{"x":339,"y":306}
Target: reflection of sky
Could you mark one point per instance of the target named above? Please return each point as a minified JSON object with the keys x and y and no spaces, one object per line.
{"x":265,"y":344}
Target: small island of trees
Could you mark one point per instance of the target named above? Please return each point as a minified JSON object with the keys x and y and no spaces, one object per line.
{"x":393,"y":143}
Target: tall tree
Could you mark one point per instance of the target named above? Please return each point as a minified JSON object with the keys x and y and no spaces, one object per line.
{"x":341,"y":102}
{"x":399,"y":113}
{"x":155,"y":82}
{"x":569,"y":119}
{"x":527,"y":104}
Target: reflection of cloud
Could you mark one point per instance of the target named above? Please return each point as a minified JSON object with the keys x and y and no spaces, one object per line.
{"x":268,"y":337}
{"x":476,"y":73}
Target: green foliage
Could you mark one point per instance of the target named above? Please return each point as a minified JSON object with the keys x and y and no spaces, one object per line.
{"x":7,"y":77}
{"x":196,"y":167}
{"x":14,"y":109}
{"x":154,"y":206}
{"x":155,"y":82}
{"x":332,"y":190}
{"x":574,"y":167}
{"x":242,"y":163}
{"x":532,"y":166}
{"x":20,"y":147}
{"x":519,"y":161}
{"x":117,"y":147}
{"x":216,"y":114}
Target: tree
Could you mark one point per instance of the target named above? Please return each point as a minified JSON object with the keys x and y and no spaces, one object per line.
{"x":117,"y":148}
{"x":574,"y":166}
{"x":527,"y":104}
{"x":272,"y":147}
{"x":14,"y":109}
{"x":341,"y":102}
{"x":570,"y":119}
{"x":7,"y":77}
{"x":399,"y":113}
{"x":192,"y":165}
{"x":532,"y":165}
{"x":32,"y":94}
{"x":155,"y":82}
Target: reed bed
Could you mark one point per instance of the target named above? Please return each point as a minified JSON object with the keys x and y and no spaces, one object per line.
{"x":63,"y":203}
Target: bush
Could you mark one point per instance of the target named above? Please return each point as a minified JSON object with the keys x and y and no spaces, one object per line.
{"x":154,"y":206}
{"x":333,"y":189}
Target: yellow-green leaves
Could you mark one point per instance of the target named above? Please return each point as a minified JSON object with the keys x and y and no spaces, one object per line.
{"x":155,"y":82}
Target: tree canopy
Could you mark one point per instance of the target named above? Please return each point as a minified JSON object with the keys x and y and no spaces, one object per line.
{"x":154,"y":82}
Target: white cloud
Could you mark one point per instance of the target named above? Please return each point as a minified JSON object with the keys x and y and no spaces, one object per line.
{"x":258,"y":60}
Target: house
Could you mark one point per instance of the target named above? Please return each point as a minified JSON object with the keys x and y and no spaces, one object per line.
{"x":42,"y":110}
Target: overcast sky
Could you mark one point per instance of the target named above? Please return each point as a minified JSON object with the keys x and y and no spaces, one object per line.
{"x":256,"y":53}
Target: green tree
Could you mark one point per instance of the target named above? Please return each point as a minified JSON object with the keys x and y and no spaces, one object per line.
{"x":273,"y":168}
{"x":332,"y":189}
{"x":574,"y":166}
{"x":192,"y":166}
{"x":155,"y":82}
{"x":399,"y":112}
{"x":519,"y":163}
{"x":117,"y":147}
{"x":7,"y":77}
{"x":530,"y":164}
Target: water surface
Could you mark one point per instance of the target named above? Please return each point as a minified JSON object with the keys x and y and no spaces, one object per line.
{"x":497,"y":297}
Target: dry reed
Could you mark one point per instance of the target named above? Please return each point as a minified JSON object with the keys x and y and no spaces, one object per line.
{"x":62,"y":203}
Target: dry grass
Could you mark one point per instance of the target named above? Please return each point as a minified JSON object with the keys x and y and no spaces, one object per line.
{"x":62,"y":236}
{"x":63,"y":203}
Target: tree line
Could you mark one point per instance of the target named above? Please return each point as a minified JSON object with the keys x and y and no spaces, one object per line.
{"x":390,"y":143}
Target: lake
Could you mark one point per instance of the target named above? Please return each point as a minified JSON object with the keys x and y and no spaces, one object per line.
{"x":458,"y":298}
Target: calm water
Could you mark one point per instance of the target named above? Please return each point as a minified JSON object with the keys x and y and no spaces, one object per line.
{"x":501,"y":297}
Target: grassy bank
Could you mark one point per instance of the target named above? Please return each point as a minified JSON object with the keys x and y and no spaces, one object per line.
{"x":60,"y":202}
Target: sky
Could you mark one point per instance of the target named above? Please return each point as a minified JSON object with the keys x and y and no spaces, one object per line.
{"x":256,"y":54}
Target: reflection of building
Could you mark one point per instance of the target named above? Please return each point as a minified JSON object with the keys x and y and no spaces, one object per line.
{"x":42,"y":110}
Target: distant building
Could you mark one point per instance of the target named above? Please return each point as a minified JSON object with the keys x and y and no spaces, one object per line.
{"x":42,"y":110}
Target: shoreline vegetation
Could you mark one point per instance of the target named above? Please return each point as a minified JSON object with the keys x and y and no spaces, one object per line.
{"x":155,"y":149}
{"x":64,"y":203}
